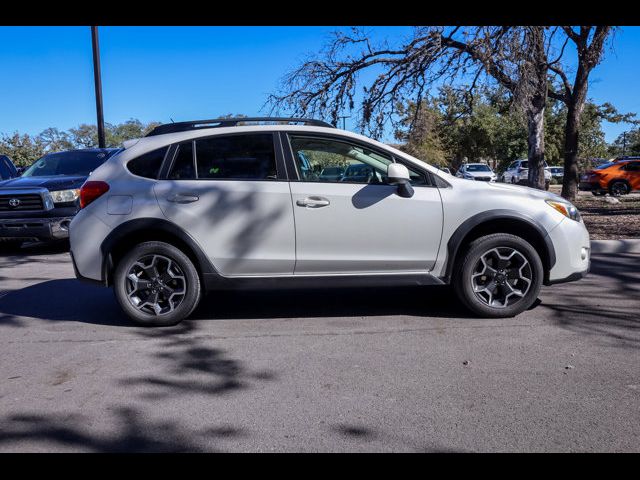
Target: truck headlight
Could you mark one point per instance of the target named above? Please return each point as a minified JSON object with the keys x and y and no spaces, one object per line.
{"x":565,"y":208}
{"x":64,"y":196}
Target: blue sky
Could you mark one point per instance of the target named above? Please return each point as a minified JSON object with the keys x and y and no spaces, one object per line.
{"x":157,"y":73}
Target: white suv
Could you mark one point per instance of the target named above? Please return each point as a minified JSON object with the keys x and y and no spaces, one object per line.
{"x":222,"y":204}
{"x":476,"y":171}
{"x":518,"y":173}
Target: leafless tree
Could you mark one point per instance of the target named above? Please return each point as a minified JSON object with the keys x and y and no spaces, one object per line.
{"x":589,"y":42}
{"x":514,"y":57}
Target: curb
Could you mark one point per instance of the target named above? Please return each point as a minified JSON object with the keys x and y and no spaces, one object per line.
{"x":630,"y":245}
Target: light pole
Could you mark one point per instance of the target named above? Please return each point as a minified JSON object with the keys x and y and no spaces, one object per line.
{"x":98,"y":85}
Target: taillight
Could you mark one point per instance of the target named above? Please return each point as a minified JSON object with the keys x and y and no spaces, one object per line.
{"x":91,"y":191}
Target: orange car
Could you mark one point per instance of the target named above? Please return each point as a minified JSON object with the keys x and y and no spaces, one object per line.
{"x":618,"y":177}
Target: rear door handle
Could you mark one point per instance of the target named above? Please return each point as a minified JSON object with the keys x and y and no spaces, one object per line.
{"x":313,"y":202}
{"x":183,"y":198}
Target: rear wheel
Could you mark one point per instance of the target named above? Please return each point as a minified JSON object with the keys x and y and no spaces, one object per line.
{"x":156,"y":284}
{"x":499,"y":276}
{"x":618,"y":187}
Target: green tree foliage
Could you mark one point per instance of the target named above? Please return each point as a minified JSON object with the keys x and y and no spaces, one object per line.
{"x":454,"y":126}
{"x":627,"y":143}
{"x":22,"y":149}
{"x":25,"y":149}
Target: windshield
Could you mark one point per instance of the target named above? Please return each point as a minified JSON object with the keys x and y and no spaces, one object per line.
{"x":478,"y":168}
{"x":525,"y":164}
{"x":67,"y":163}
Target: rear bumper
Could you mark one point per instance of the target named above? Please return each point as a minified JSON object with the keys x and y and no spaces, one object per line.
{"x":589,"y":186}
{"x":54,"y":228}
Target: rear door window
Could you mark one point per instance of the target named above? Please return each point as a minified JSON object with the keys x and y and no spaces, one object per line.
{"x":236,"y":157}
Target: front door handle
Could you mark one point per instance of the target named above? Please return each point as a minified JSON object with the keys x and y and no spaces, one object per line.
{"x":313,"y":202}
{"x":183,"y":198}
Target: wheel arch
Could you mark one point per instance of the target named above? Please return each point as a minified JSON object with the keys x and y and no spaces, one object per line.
{"x":500,"y":221}
{"x":133,"y":232}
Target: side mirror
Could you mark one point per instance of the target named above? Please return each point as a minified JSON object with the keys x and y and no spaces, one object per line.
{"x":398,"y":174}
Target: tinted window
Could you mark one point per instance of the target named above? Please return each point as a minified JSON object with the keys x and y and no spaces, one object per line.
{"x":148,"y":165}
{"x":5,"y":171}
{"x":633,"y":167}
{"x":183,"y":164}
{"x":246,"y":157}
{"x":78,"y":163}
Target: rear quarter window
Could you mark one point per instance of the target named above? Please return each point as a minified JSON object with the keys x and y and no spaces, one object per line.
{"x":148,"y":165}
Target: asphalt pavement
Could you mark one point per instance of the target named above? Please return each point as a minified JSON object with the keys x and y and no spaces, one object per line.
{"x":324,"y":370}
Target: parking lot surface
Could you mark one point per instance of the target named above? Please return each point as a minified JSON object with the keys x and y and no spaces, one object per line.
{"x":324,"y":370}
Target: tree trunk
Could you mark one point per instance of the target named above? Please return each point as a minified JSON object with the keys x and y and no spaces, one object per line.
{"x":570,"y":180}
{"x":535,"y":140}
{"x":575,"y":105}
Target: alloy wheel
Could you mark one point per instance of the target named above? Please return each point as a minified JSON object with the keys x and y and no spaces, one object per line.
{"x":501,"y":277}
{"x":155,"y":285}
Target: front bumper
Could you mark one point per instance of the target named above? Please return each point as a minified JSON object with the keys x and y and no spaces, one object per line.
{"x":54,"y":228}
{"x":573,"y":252}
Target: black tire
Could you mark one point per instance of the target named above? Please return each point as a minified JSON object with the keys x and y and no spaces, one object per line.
{"x":618,"y":187}
{"x":10,"y":245}
{"x":182,"y":265}
{"x":463,"y":281}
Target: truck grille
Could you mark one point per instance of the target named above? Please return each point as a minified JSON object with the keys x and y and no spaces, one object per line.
{"x":484,"y":179}
{"x":20,"y":202}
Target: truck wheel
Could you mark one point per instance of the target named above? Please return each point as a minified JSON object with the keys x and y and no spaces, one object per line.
{"x":156,"y":284}
{"x":499,"y":276}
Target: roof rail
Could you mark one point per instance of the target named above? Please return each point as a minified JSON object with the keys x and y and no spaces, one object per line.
{"x":230,"y":122}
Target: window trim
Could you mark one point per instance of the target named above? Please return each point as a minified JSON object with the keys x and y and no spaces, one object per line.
{"x":292,"y":165}
{"x":281,"y":175}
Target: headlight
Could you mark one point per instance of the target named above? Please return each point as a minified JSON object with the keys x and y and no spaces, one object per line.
{"x":566,"y":209}
{"x":63,"y":196}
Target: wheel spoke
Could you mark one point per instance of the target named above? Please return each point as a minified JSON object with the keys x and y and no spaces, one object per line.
{"x":501,"y":277}
{"x":156,"y":285}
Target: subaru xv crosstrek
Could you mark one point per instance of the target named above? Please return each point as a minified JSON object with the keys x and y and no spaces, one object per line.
{"x":231,"y":204}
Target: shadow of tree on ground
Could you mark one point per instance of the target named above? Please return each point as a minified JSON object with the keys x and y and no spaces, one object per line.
{"x":133,"y":435}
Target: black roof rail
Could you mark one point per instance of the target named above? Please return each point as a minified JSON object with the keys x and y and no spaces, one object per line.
{"x":230,"y":122}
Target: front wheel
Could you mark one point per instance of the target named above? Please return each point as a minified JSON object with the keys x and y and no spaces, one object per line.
{"x":499,"y":276}
{"x":156,"y":284}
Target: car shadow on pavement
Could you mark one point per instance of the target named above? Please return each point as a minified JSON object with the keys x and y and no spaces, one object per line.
{"x":63,"y":300}
{"x":72,"y":300}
